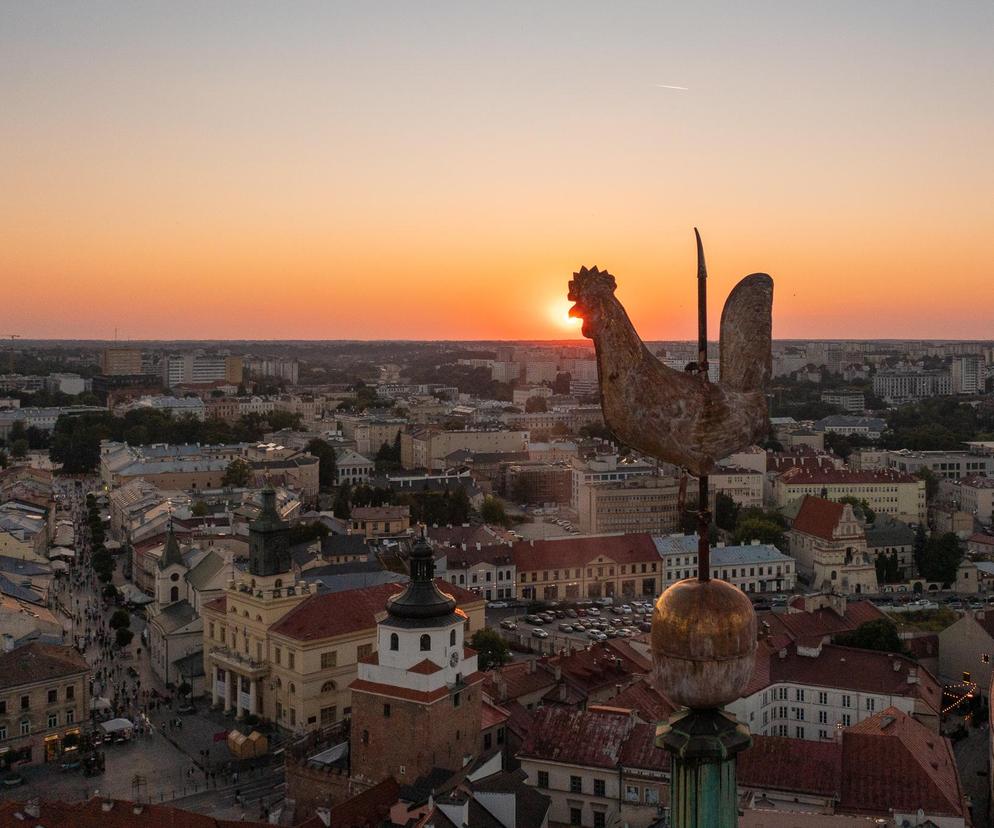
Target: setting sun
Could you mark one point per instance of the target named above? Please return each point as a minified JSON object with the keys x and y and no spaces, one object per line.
{"x":559,"y":312}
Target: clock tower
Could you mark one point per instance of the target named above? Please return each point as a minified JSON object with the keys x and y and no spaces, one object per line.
{"x":416,"y":701}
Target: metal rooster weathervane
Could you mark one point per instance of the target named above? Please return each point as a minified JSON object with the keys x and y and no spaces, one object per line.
{"x":680,"y":416}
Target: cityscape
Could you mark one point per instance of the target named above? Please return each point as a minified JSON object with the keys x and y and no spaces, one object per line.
{"x":339,"y":489}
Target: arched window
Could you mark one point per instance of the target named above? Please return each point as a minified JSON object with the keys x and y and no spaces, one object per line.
{"x":394,"y":641}
{"x":425,"y":642}
{"x":174,"y":576}
{"x":329,"y":687}
{"x":278,"y":584}
{"x":174,"y":594}
{"x":293,"y":688}
{"x":452,"y":638}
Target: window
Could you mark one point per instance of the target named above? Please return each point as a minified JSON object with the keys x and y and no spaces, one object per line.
{"x":386,"y":711}
{"x":822,"y":734}
{"x":329,"y":659}
{"x":632,"y":793}
{"x":53,"y":695}
{"x":25,"y":728}
{"x":3,"y":708}
{"x":543,"y":779}
{"x":363,"y":650}
{"x":600,"y":819}
{"x":70,"y":716}
{"x":3,"y":733}
{"x":456,"y":699}
{"x":488,"y":741}
{"x":985,"y":658}
{"x":25,"y":702}
{"x":329,"y":715}
{"x":799,"y":732}
{"x":822,"y":717}
{"x":289,"y":659}
{"x":575,"y":816}
{"x":846,"y":720}
{"x":425,"y":643}
{"x":452,"y":638}
{"x":822,"y":698}
{"x":328,"y":687}
{"x":799,"y":695}
{"x":651,"y":796}
{"x":576,"y":784}
{"x":53,"y":720}
{"x":599,"y":787}
{"x":277,"y":655}
{"x":174,"y":594}
{"x":846,"y":701}
{"x":870,"y":704}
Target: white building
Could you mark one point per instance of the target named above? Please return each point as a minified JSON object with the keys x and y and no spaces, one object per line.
{"x":969,"y":374}
{"x":756,"y":567}
{"x":352,"y":468}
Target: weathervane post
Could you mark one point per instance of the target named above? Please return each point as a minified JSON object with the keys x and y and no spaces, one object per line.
{"x":703,"y":513}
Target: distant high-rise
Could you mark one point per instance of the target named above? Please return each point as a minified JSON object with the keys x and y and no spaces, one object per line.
{"x":119,"y":362}
{"x":195,"y":369}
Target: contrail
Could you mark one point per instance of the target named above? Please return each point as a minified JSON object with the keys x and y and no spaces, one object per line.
{"x":667,"y":86}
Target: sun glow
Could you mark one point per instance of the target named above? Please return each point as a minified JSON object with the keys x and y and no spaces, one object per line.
{"x":559,"y":312}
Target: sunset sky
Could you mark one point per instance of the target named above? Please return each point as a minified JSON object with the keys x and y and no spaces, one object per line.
{"x":430,"y":170}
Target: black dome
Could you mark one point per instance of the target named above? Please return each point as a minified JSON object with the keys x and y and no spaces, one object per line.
{"x":422,"y":599}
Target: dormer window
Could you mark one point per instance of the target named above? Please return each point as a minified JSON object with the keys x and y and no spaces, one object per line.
{"x":395,"y":642}
{"x":425,"y":643}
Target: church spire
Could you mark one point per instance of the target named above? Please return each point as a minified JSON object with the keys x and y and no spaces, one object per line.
{"x":171,"y":554}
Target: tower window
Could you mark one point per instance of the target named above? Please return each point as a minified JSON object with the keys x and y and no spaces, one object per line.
{"x":395,"y":641}
{"x":386,"y":711}
{"x":425,"y":642}
{"x":452,"y":638}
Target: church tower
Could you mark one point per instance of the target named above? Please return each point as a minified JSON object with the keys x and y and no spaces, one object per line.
{"x":416,"y":701}
{"x":269,"y":539}
{"x":170,"y":583}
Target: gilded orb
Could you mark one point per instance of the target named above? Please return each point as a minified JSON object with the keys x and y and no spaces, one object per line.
{"x":703,"y":643}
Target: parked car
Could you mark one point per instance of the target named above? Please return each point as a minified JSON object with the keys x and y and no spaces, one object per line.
{"x":538,"y":632}
{"x":497,"y":605}
{"x":593,"y":611}
{"x":508,"y":624}
{"x":567,"y":628}
{"x":579,"y":628}
{"x":572,"y":613}
{"x":594,"y":635}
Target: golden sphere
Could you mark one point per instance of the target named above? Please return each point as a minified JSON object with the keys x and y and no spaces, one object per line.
{"x":703,"y":643}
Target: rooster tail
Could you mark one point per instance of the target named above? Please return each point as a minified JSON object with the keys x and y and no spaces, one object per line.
{"x":747,"y":333}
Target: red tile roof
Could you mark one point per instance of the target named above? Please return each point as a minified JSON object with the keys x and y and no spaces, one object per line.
{"x":425,"y":667}
{"x":891,"y":762}
{"x":491,"y":715}
{"x":520,"y":678}
{"x":640,"y":751}
{"x":572,"y":552}
{"x":809,"y":476}
{"x":845,"y":668}
{"x":220,"y":604}
{"x":115,"y":813}
{"x":35,"y":662}
{"x":581,"y":737}
{"x":339,"y":613}
{"x":650,"y":705}
{"x":781,"y":764}
{"x":818,"y":516}
{"x":393,"y":691}
{"x":367,"y":808}
{"x":821,"y":623}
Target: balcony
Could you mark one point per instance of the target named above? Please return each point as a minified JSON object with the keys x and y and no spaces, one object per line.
{"x":228,"y":659}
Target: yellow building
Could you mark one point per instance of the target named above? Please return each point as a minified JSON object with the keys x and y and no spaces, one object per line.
{"x":44,"y":698}
{"x":116,"y":362}
{"x":885,"y":491}
{"x":588,"y":567}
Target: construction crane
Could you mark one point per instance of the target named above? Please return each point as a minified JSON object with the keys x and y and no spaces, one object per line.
{"x":10,"y":356}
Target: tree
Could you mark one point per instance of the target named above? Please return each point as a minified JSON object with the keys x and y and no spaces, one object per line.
{"x":492,"y":511}
{"x":109,"y":592}
{"x":931,"y":483}
{"x":123,"y":637}
{"x":536,"y":404}
{"x":278,"y":420}
{"x":941,"y":559}
{"x":238,"y":474}
{"x":342,"y":506}
{"x":492,"y":650}
{"x":873,"y":635}
{"x":861,"y":507}
{"x":199,"y":509}
{"x":726,"y":511}
{"x":19,"y":449}
{"x":327,"y":462}
{"x":761,"y":529}
{"x":921,"y":540}
{"x":120,"y":618}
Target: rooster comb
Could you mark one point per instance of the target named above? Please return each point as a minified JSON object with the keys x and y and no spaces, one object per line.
{"x":593,"y":278}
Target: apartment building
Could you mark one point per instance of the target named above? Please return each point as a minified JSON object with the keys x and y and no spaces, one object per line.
{"x":852,"y":401}
{"x":118,"y":362}
{"x":953,"y":465}
{"x":640,"y":504}
{"x":538,"y":482}
{"x":44,"y":700}
{"x":199,"y":368}
{"x":753,"y":567}
{"x":886,"y":491}
{"x":969,"y":374}
{"x":605,"y":468}
{"x":907,"y":384}
{"x":427,"y":447}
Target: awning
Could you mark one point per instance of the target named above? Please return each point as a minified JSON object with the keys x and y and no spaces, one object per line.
{"x":100,"y":703}
{"x":61,"y":552}
{"x":133,"y":595}
{"x":117,"y":726}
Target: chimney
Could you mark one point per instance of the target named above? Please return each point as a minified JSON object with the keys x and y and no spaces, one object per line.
{"x":897,"y":666}
{"x":33,"y":808}
{"x":531,"y":665}
{"x":324,"y":814}
{"x":782,"y":653}
{"x":479,"y":546}
{"x":912,"y":675}
{"x":137,"y":808}
{"x":980,"y":615}
{"x":107,"y":805}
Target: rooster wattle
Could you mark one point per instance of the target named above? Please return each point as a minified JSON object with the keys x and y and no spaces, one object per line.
{"x":679,"y":416}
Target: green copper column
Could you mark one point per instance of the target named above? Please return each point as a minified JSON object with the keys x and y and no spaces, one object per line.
{"x":703,"y":745}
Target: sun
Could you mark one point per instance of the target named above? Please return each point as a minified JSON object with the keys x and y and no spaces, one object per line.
{"x":559,"y":313}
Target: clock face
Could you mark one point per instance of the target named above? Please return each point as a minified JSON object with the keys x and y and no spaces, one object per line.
{"x":454,"y":659}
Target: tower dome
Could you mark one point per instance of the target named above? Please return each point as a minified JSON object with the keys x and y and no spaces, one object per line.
{"x":422,"y":599}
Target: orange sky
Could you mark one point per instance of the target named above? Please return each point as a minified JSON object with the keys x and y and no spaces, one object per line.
{"x":416,"y":174}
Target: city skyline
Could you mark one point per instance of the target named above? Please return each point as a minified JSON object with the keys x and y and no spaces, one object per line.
{"x":415,"y":174}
